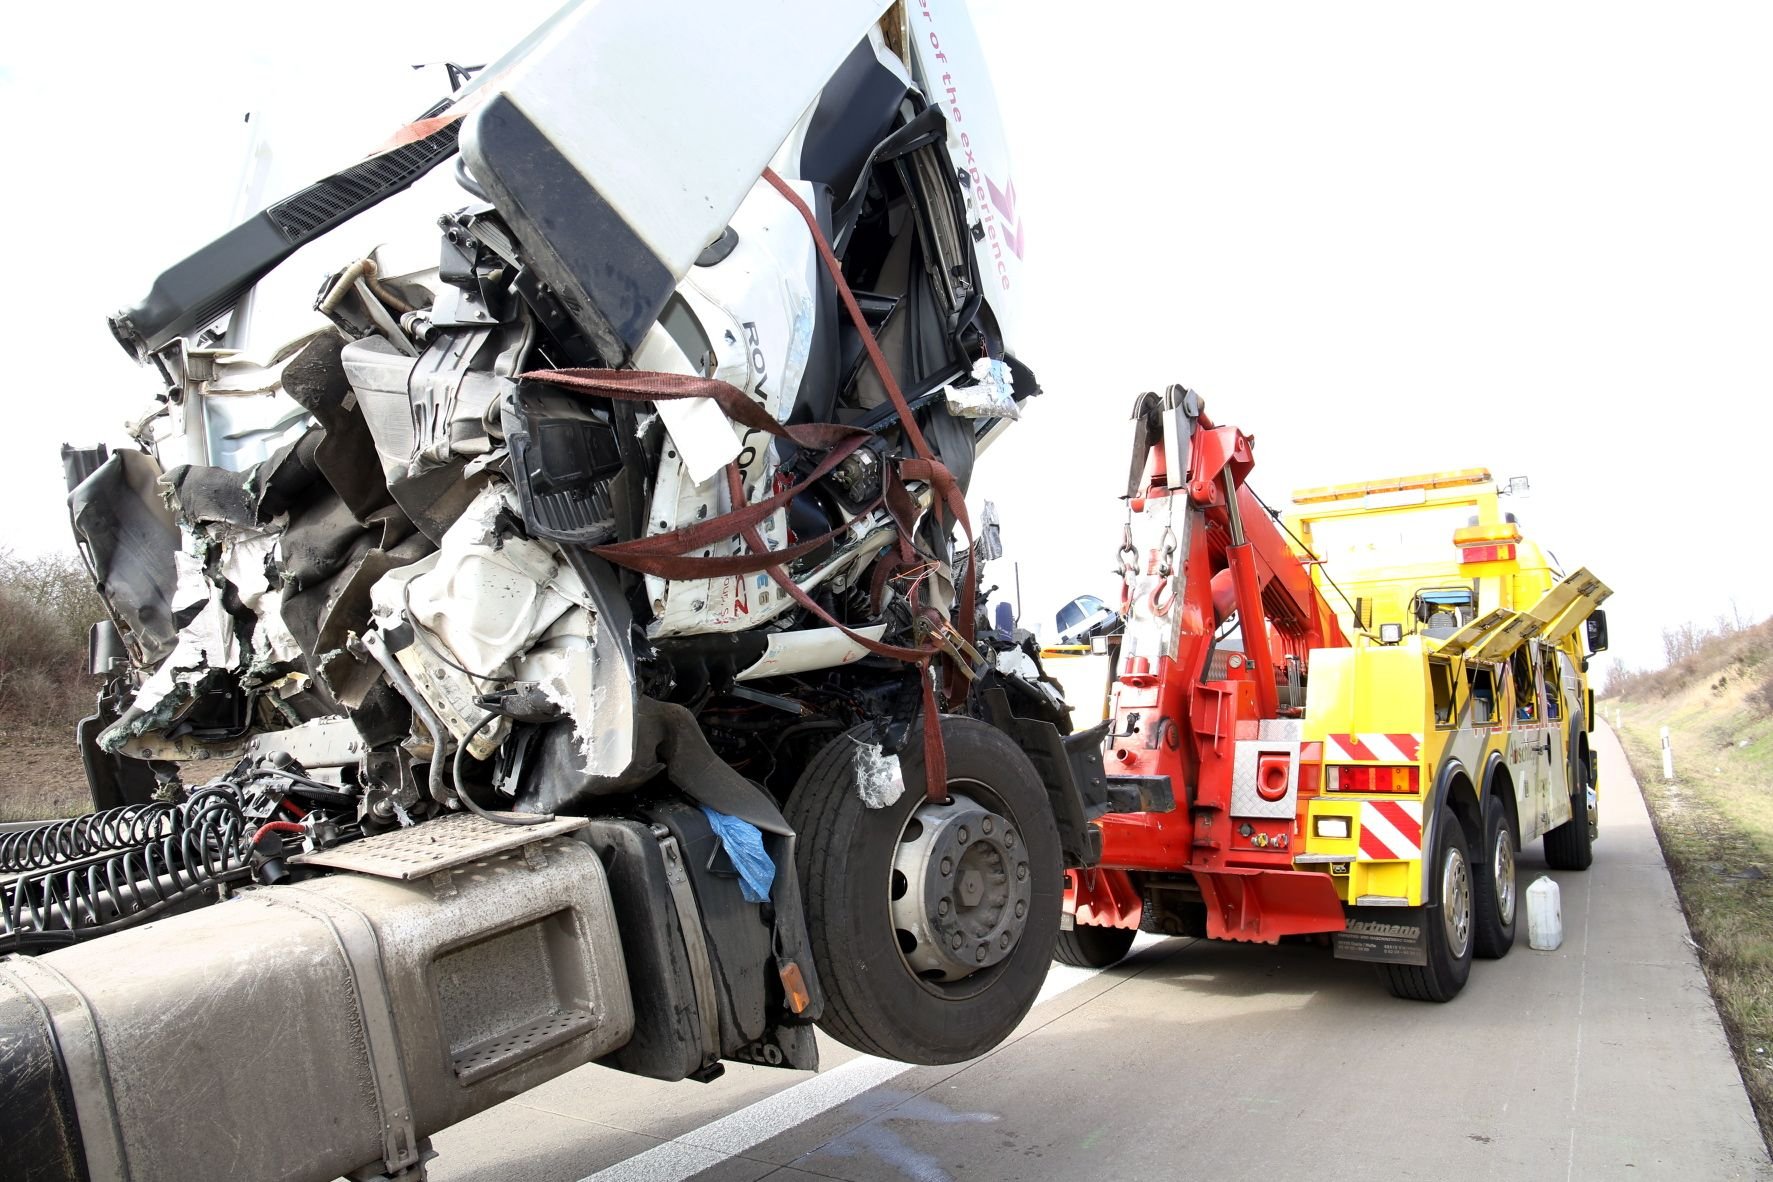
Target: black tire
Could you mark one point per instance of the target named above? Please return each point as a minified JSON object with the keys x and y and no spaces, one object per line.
{"x":1091,"y":946}
{"x":1571,"y":845}
{"x":1495,"y":893}
{"x":1449,"y":955}
{"x":849,"y":861}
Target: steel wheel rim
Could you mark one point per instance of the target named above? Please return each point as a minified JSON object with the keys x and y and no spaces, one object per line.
{"x":1456,"y":902}
{"x":991,"y":913}
{"x":1502,"y":867}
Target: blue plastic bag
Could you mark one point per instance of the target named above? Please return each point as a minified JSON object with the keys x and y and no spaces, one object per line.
{"x":743,"y":842}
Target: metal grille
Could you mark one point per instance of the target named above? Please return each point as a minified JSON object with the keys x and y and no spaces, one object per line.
{"x":338,"y":196}
{"x":431,"y":846}
{"x":495,"y":1054}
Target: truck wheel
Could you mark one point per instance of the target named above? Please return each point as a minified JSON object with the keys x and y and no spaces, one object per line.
{"x":1493,"y":884}
{"x":1091,"y":946}
{"x":1571,"y":845}
{"x":1448,"y":920}
{"x":931,"y":925}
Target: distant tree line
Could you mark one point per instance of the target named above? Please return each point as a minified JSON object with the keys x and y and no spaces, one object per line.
{"x":1730,"y":647}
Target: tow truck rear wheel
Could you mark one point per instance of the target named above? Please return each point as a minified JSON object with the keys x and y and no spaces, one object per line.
{"x":1092,"y":946}
{"x":1493,"y":883}
{"x":931,"y":924}
{"x":1448,"y":920}
{"x":1571,"y":845}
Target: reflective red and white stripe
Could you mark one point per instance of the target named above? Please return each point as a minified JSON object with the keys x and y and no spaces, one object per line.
{"x":1391,"y":830}
{"x":1372,"y":748}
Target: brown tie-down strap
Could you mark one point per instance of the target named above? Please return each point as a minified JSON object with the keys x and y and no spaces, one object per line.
{"x":664,"y":554}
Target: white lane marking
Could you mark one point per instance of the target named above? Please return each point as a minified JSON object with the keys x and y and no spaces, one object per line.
{"x":1581,"y":1003}
{"x":733,"y":1134}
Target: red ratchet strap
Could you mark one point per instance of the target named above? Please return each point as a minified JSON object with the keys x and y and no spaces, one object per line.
{"x":926,"y":467}
{"x":664,"y":554}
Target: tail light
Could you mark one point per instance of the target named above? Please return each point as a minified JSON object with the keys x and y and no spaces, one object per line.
{"x":1310,"y":775}
{"x":1402,"y":779}
{"x":1501,"y":553}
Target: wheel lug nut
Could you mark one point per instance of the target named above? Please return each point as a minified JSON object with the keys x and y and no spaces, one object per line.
{"x":947,"y":866}
{"x":985,"y":825}
{"x":980,"y":955}
{"x":1021,"y":871}
{"x":942,"y":907}
{"x":963,"y":837}
{"x":1009,"y":839}
{"x":1021,"y":908}
{"x":1004,"y":940}
{"x":955,"y":942}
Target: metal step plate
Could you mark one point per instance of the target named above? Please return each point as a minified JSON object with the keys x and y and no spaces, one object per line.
{"x":431,"y":846}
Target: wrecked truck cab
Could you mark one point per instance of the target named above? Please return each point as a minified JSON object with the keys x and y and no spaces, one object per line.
{"x":613,"y":520}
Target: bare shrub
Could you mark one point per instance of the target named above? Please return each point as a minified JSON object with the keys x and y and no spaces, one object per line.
{"x":47,"y":606}
{"x":1762,"y":695}
{"x":1731,"y":649}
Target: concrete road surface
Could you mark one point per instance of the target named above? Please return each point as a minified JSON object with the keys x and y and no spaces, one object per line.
{"x":1603,"y":1060}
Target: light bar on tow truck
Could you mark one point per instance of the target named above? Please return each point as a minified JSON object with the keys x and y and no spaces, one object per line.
{"x":1367,"y":488}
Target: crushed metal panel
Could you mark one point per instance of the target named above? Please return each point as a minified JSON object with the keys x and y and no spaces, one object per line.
{"x":128,"y":537}
{"x":557,"y":139}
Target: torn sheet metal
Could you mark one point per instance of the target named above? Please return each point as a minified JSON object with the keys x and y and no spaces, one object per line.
{"x":363,"y":519}
{"x":879,"y":780}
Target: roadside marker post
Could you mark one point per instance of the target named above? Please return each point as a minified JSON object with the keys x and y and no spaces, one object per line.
{"x":1667,"y":757}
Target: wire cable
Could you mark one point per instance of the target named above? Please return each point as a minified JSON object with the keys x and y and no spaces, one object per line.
{"x":1353,"y":612}
{"x":468,"y":801}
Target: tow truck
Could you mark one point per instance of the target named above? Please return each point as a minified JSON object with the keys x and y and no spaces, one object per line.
{"x":1365,"y":773}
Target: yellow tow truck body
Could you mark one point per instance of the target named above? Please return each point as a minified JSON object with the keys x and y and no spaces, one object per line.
{"x":1465,"y":683}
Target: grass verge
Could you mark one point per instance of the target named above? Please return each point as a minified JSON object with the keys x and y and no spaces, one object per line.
{"x":1715,"y":822}
{"x":43,"y":776}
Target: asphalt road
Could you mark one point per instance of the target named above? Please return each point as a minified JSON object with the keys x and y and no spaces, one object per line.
{"x":1602,"y":1060}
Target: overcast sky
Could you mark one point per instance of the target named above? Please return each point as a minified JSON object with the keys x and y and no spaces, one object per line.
{"x":1381,"y":237}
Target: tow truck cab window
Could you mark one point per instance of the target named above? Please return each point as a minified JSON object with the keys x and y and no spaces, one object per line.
{"x":1442,"y":611}
{"x":1551,"y":678}
{"x":1442,"y":687}
{"x":1526,"y":691}
{"x":1483,"y":694}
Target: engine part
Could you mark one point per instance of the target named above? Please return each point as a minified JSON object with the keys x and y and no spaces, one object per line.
{"x":214,"y":1045}
{"x":563,"y":455}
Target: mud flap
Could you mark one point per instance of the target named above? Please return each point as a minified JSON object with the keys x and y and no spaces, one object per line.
{"x":1385,"y":935}
{"x":1070,"y":767}
{"x":754,"y":1022}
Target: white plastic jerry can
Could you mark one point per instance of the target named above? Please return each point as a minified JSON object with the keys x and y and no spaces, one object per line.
{"x":1545,"y":916}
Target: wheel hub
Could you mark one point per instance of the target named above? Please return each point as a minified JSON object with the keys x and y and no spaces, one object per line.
{"x":1503,"y":872}
{"x":961,"y":889}
{"x":1456,"y":902}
